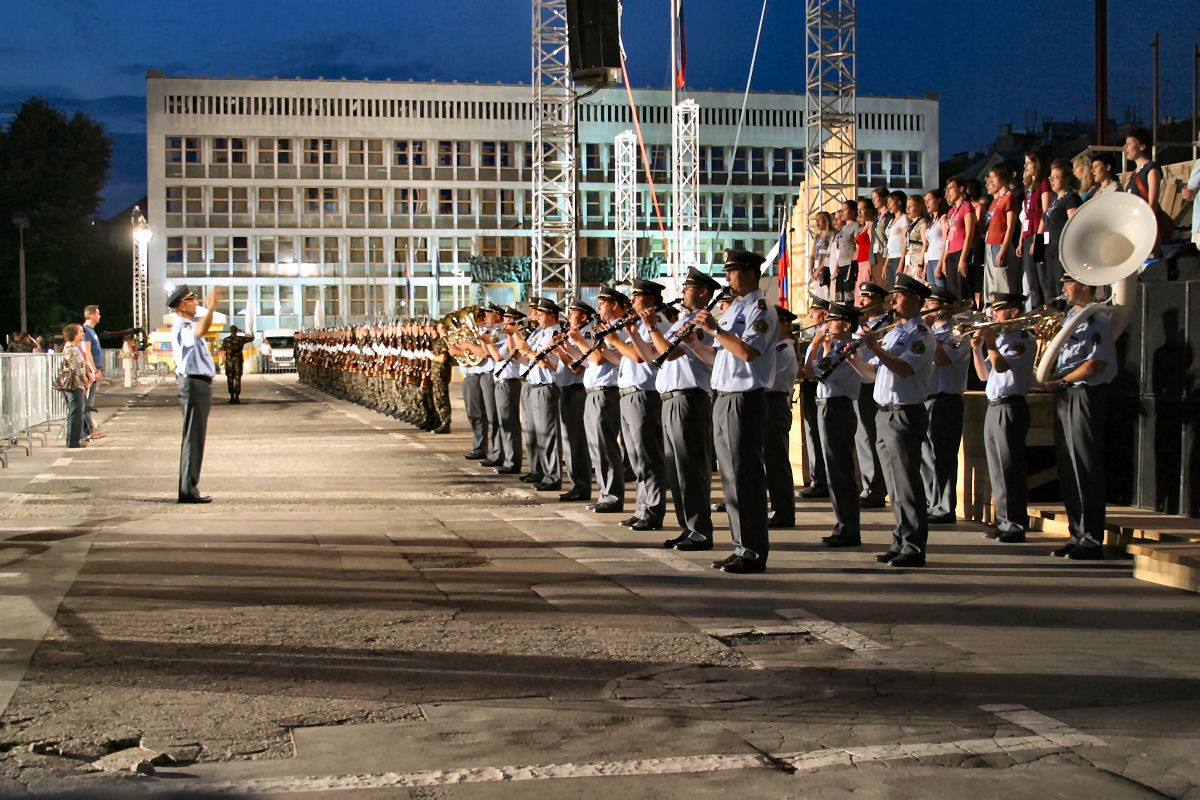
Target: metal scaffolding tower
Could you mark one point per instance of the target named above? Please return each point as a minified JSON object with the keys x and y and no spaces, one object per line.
{"x":553,"y":246}
{"x":830,"y":154}
{"x":625,"y":152}
{"x":141,"y":241}
{"x":685,"y":189}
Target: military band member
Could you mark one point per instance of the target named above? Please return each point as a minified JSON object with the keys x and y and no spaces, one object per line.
{"x":837,"y":397}
{"x":818,"y":484}
{"x":473,"y":390}
{"x":602,"y":412}
{"x":572,"y":401}
{"x":685,"y":387}
{"x":872,"y":305}
{"x":1085,"y":367}
{"x":232,"y":345}
{"x":1004,"y":358}
{"x":439,"y":378}
{"x":641,"y":411}
{"x":901,"y":365}
{"x":781,"y":488}
{"x":507,"y":383}
{"x":743,"y":368}
{"x":939,"y":453}
{"x":542,"y":440}
{"x":489,"y":322}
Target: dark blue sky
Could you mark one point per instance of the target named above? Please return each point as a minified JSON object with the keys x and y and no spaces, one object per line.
{"x":990,"y":63}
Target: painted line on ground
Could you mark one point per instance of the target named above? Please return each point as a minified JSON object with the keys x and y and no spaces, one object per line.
{"x":1049,"y":734}
{"x":831,"y":632}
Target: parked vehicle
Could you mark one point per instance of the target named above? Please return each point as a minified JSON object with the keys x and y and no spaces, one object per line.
{"x":277,"y":353}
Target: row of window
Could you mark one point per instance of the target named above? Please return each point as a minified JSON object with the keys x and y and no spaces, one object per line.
{"x":410,"y":108}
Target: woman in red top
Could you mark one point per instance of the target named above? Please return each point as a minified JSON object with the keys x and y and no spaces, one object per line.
{"x":1000,"y":274}
{"x":1030,"y":250}
{"x":866,"y":242}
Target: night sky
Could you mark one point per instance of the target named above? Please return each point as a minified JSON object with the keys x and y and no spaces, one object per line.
{"x":1017,"y":62}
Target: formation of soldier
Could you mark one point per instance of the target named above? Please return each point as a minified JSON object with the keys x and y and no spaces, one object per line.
{"x":399,"y":368}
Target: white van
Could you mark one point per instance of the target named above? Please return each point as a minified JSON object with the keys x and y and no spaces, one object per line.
{"x":277,"y":353}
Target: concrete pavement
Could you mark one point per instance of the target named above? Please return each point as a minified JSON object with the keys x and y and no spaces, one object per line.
{"x":362,"y":611}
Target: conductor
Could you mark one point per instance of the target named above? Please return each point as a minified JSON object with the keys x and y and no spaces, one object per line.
{"x":194,"y":371}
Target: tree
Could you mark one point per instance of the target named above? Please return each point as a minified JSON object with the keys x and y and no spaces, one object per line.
{"x":53,"y":169}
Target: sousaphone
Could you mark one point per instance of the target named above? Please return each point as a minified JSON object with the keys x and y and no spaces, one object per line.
{"x":1105,"y":242}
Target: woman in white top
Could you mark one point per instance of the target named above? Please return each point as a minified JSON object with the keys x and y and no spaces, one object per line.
{"x":935,"y":236}
{"x":818,"y":263}
{"x":897,"y":231}
{"x":913,"y":257}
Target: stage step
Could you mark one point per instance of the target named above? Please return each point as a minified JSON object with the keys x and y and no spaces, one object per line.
{"x":1175,"y":564}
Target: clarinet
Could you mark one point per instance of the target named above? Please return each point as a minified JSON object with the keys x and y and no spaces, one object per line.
{"x":600,"y":334}
{"x":558,"y":339}
{"x":682,"y":333}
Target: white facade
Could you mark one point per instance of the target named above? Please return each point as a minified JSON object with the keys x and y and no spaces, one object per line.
{"x":369,"y":197}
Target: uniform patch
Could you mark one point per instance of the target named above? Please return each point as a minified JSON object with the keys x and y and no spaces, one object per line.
{"x":1019,"y":349}
{"x":762,"y":304}
{"x":760,"y":326}
{"x":918,"y":347}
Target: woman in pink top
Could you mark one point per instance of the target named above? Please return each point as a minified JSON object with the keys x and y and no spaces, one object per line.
{"x":959,"y":230}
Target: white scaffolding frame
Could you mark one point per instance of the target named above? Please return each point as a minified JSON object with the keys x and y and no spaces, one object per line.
{"x":555,"y":265}
{"x":625,"y":155}
{"x":141,"y":287}
{"x":685,"y":189}
{"x":830,"y":146}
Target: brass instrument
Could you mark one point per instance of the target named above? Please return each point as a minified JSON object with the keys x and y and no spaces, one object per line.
{"x":852,"y":348}
{"x":461,"y":328}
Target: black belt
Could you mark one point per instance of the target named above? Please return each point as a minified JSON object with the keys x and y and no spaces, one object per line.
{"x":509,"y":380}
{"x":1004,"y":401}
{"x":678,"y":392}
{"x":592,"y":389}
{"x":570,"y":387}
{"x":825,"y":401}
{"x":942,"y":395}
{"x":897,"y":406}
{"x":748,"y":391}
{"x":205,"y":378}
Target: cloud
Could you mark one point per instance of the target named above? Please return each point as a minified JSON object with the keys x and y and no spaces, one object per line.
{"x":139,"y":69}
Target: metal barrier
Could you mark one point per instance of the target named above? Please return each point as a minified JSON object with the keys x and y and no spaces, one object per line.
{"x":29,"y":405}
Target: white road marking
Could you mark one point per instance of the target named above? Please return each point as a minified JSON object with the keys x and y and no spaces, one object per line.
{"x":831,"y":632}
{"x":1049,"y":734}
{"x":65,"y":461}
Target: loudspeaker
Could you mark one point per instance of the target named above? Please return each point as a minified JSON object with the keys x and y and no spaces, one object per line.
{"x":593,"y":34}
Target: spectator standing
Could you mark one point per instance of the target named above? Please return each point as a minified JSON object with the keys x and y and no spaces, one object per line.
{"x":846,"y":245}
{"x":818,"y":268}
{"x":958,"y":233}
{"x":895,"y":234}
{"x":1000,"y":264}
{"x":913,"y":256}
{"x":95,"y":358}
{"x":934,"y":237}
{"x":1062,"y":207}
{"x":865,"y":242}
{"x":1189,"y":193}
{"x":1030,"y":249}
{"x":76,"y":362}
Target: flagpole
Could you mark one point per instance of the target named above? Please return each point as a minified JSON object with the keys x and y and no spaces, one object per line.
{"x":674,"y":54}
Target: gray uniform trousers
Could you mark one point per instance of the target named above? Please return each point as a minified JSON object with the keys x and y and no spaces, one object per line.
{"x":472,"y":392}
{"x":542,"y":432}
{"x":817,"y":477}
{"x":487,"y":387}
{"x":739,"y":423}
{"x":1004,"y":430}
{"x":939,"y":453}
{"x":899,"y":434}
{"x":571,"y":402}
{"x":781,"y":489}
{"x":508,"y":394}
{"x":526,"y":426}
{"x":195,"y":396}
{"x":839,"y":423}
{"x":1080,"y":413}
{"x":641,"y":431}
{"x":602,"y":424}
{"x":687,"y":422}
{"x":870,"y":473}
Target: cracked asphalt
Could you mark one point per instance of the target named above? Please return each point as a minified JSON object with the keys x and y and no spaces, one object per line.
{"x":362,"y":612}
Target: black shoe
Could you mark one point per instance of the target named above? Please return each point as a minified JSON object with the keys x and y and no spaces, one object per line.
{"x":1063,"y":551}
{"x":813,"y":492}
{"x":645,"y":525}
{"x":475,"y":456}
{"x":943,"y":519}
{"x":610,"y":507}
{"x":908,"y":560}
{"x":718,"y":507}
{"x":507,"y":470}
{"x":870,"y":502}
{"x":197,"y":499}
{"x":745,"y":566}
{"x":1086,"y":553}
{"x":629,"y":523}
{"x":441,"y":429}
{"x":729,"y":559}
{"x":572,"y":497}
{"x":694,"y":545}
{"x":886,"y":558}
{"x":548,"y":487}
{"x":487,"y":462}
{"x":1012,"y":537}
{"x":839,"y":541}
{"x":775,"y":522}
{"x":529,"y":477}
{"x":992,"y":533}
{"x":680,"y":539}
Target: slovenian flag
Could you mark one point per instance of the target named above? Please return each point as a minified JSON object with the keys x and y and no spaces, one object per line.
{"x":784,"y":263}
{"x":681,"y":46}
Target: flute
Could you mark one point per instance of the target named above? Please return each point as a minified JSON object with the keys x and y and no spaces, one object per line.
{"x":629,"y":317}
{"x":681,"y":334}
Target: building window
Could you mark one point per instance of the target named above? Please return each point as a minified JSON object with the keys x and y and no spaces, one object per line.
{"x":488,"y":202}
{"x":287,"y":250}
{"x":914,"y":166}
{"x":229,"y":150}
{"x":332,"y":252}
{"x":174,"y":200}
{"x":365,"y":152}
{"x":174,"y":150}
{"x":409,"y":201}
{"x":266,"y":301}
{"x":758,"y":161}
{"x":220,"y":250}
{"x":266,"y":202}
{"x":897,"y":164}
{"x":220,"y":200}
{"x":358,"y":200}
{"x":266,"y":250}
{"x":445,"y":153}
{"x":591,"y":156}
{"x":174,"y":249}
{"x":312,"y":249}
{"x":320,"y":151}
{"x":508,"y":202}
{"x":591,"y":207}
{"x":409,"y":153}
{"x":239,"y":200}
{"x":324,"y":198}
{"x":358,"y":251}
{"x":194,"y":250}
{"x":241,"y":249}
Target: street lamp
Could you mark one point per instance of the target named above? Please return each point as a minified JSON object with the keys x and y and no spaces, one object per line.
{"x":21,"y":220}
{"x":141,"y":239}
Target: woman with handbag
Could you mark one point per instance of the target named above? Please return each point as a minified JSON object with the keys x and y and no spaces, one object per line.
{"x":73,"y":381}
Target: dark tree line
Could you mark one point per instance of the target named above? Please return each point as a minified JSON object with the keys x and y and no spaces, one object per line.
{"x":53,"y":169}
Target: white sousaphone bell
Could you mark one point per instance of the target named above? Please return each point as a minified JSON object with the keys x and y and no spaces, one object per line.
{"x":1105,"y":242}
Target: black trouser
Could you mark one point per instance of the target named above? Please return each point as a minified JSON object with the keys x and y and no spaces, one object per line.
{"x":812,"y":435}
{"x":195,"y":397}
{"x":1004,"y":430}
{"x":1080,"y":413}
{"x":571,"y":402}
{"x":838,"y":424}
{"x":781,"y":489}
{"x":939,"y":453}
